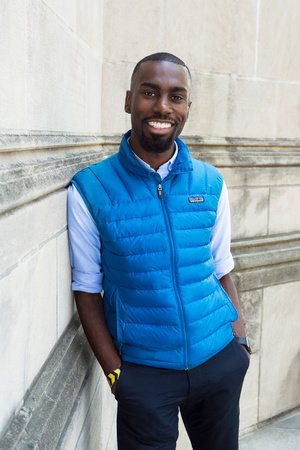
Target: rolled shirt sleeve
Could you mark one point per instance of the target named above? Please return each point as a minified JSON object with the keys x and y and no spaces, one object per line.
{"x":84,"y":244}
{"x":221,"y":237}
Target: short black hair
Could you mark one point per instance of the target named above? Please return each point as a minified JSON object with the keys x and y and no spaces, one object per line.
{"x":161,"y":56}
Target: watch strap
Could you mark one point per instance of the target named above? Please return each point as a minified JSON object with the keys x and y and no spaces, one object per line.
{"x":245,"y":342}
{"x":113,"y":376}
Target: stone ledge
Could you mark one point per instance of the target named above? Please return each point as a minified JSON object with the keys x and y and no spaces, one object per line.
{"x":266,"y":261}
{"x":49,"y":165}
{"x":40,"y":140}
{"x":41,"y":420}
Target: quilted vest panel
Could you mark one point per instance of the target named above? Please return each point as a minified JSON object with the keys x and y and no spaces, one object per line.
{"x":163,"y":303}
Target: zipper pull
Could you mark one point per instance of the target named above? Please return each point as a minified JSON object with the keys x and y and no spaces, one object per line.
{"x":120,"y":348}
{"x":159,"y":191}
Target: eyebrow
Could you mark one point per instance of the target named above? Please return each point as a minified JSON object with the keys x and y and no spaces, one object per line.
{"x":157,"y":87}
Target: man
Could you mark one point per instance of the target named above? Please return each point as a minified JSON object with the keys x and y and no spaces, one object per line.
{"x":150,"y":226}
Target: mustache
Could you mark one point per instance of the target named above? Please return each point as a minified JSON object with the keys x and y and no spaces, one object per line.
{"x":161,"y":117}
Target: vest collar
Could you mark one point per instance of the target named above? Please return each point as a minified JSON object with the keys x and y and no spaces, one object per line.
{"x":183,"y":163}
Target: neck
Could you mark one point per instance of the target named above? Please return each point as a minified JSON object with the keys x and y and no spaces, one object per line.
{"x":155,"y":160}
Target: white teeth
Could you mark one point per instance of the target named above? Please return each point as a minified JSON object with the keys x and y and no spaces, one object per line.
{"x":159,"y":124}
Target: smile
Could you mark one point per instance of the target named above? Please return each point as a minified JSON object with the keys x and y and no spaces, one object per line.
{"x":159,"y":124}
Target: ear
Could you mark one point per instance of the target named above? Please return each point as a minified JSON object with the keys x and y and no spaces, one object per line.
{"x":127,"y":102}
{"x":188,"y":109}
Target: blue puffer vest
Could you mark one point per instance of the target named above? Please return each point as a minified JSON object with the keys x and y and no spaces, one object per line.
{"x":163,"y":303}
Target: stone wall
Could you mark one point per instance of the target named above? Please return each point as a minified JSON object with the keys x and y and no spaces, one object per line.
{"x":65,"y":69}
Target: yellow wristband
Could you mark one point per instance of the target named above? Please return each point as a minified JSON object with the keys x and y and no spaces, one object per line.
{"x":113,"y":376}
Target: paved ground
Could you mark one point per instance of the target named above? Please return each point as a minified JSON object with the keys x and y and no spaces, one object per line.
{"x":284,"y":434}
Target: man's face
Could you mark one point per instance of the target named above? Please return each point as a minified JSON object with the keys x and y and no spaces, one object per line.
{"x":159,"y":104}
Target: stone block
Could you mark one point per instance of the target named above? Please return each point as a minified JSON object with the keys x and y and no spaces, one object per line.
{"x":85,"y":412}
{"x":183,"y":441}
{"x":100,"y":419}
{"x":251,"y":109}
{"x":65,"y":303}
{"x":108,"y":414}
{"x":66,"y":11}
{"x":93,"y":95}
{"x":131,"y":31}
{"x":288,"y":111}
{"x":30,"y":226}
{"x":251,"y":176}
{"x":115,"y":83}
{"x":211,"y":35}
{"x":284,"y":209}
{"x":280,"y":350}
{"x":208,"y":113}
{"x":249,"y":396}
{"x":112,"y":443}
{"x":91,"y":12}
{"x":251,"y":305}
{"x":249,"y":212}
{"x":278,"y":41}
{"x":13,"y":24}
{"x":57,"y":74}
{"x":40,"y":297}
{"x":14,"y":317}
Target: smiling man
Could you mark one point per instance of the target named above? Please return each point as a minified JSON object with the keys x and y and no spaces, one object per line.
{"x":150,"y":227}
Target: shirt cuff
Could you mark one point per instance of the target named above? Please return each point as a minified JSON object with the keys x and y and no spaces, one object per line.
{"x":224,"y":267}
{"x":87,"y":282}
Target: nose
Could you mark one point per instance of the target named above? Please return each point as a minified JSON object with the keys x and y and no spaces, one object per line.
{"x":162,"y":105}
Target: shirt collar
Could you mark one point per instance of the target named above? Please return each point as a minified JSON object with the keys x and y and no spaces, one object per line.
{"x":166,"y":166}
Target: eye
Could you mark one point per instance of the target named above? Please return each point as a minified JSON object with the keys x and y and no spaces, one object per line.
{"x":149,"y":93}
{"x":177,"y":98}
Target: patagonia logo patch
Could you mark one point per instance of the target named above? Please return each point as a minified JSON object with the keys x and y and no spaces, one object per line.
{"x":198,"y":199}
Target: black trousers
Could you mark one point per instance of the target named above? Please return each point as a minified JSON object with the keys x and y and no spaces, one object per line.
{"x":207,"y":396}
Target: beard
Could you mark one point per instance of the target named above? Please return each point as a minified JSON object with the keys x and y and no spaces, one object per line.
{"x":156,"y":144}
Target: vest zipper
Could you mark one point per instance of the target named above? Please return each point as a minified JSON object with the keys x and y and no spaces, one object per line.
{"x":170,"y":236}
{"x":159,"y":191}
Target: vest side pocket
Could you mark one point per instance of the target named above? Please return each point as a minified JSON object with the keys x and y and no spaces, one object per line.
{"x":233,"y":311}
{"x":118,"y":325}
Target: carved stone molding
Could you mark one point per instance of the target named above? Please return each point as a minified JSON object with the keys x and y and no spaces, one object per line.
{"x":36,"y":165}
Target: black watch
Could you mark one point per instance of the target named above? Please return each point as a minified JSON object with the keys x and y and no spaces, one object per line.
{"x":245,"y":342}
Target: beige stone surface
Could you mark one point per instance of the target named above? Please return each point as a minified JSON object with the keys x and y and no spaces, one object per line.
{"x":93,"y":95}
{"x":63,"y":74}
{"x":131,"y":31}
{"x":13,"y":326}
{"x":278,"y":41}
{"x":208,"y":113}
{"x":261,"y":176}
{"x":107,"y":415}
{"x":13,"y":64}
{"x":90,"y":12}
{"x":284,"y":209}
{"x":288,"y":109}
{"x":212,"y":35}
{"x":30,"y":226}
{"x":64,"y":295}
{"x":79,"y":432}
{"x":249,"y":211}
{"x":97,"y":430}
{"x":116,"y":81}
{"x":65,"y":10}
{"x":56,"y":71}
{"x":183,"y":441}
{"x":40,"y":298}
{"x":249,"y":396}
{"x":280,"y":344}
{"x":251,"y":305}
{"x":251,"y":109}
